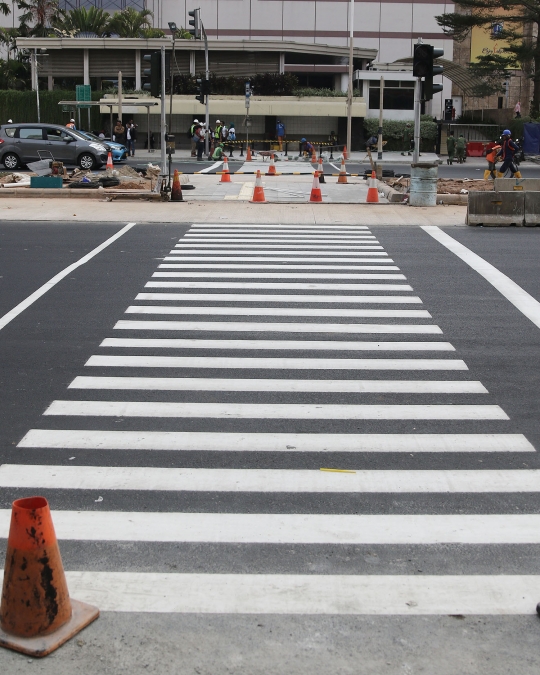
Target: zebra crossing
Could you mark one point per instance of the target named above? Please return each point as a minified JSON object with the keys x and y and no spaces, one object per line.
{"x":254,"y":425}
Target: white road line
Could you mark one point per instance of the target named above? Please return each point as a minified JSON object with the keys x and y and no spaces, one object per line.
{"x":270,"y":275}
{"x":220,"y":227}
{"x":286,"y":299}
{"x":286,"y":286}
{"x":318,"y":256}
{"x":283,"y":528}
{"x":308,"y":345}
{"x":273,"y":363}
{"x":323,"y":247}
{"x":262,"y":241}
{"x":526,"y":304}
{"x":273,"y":233}
{"x":191,"y":441}
{"x":247,"y":326}
{"x":27,"y":302}
{"x":285,"y":411}
{"x":295,"y":386}
{"x":267,"y":480}
{"x":184,"y":266}
{"x":305,"y":264}
{"x":211,"y":168}
{"x":282,"y":311}
{"x":260,"y":594}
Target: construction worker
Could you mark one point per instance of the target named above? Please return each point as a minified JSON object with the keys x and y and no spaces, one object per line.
{"x":491,"y":159}
{"x":218,"y":152}
{"x":306,"y":148}
{"x":507,"y":152}
{"x":461,"y":145}
{"x":196,"y":124}
{"x":407,"y":140}
{"x":71,"y":124}
{"x":451,"y":148}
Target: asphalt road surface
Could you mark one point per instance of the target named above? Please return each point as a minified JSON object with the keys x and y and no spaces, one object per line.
{"x":179,"y":397}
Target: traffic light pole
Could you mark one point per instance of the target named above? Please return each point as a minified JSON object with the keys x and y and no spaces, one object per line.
{"x":417,"y":107}
{"x":163,"y":116}
{"x":206,"y":100}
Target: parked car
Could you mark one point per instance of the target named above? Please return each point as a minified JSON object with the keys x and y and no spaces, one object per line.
{"x":19,"y":144}
{"x":119,"y":152}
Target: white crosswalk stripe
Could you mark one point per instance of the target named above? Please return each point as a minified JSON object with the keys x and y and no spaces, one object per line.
{"x":324,"y":437}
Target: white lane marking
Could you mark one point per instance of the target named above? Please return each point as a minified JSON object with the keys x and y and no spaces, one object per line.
{"x":260,"y":594}
{"x":267,"y":480}
{"x":222,"y":326}
{"x":268,"y":240}
{"x":192,"y":441}
{"x":187,"y":266}
{"x":295,"y":386}
{"x":337,"y":168}
{"x":217,"y":273}
{"x":285,"y":411}
{"x":27,"y":302}
{"x":308,"y":345}
{"x":239,"y":285}
{"x":323,"y":247}
{"x":526,"y":304}
{"x":305,"y":264}
{"x":321,"y":255}
{"x":282,"y":311}
{"x":211,"y":168}
{"x":283,"y":528}
{"x":276,"y":363}
{"x":217,"y":227}
{"x":264,"y":297}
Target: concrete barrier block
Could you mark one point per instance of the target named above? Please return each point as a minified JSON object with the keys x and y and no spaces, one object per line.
{"x":496,"y":208}
{"x":517,"y":184}
{"x":532,"y":209}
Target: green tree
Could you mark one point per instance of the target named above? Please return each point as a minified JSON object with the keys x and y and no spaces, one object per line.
{"x":14,"y":74}
{"x":129,"y":23}
{"x":84,"y":20}
{"x":38,"y":16}
{"x":515,"y":21}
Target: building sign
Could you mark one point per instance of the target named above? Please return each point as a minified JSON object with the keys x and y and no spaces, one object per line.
{"x":484,"y":40}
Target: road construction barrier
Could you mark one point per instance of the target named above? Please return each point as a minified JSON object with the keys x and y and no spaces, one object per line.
{"x":517,"y":184}
{"x":496,"y":208}
{"x":36,"y":614}
{"x":423,"y":185}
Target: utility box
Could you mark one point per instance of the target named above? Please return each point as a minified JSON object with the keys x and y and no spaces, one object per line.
{"x":45,"y":181}
{"x":496,"y":208}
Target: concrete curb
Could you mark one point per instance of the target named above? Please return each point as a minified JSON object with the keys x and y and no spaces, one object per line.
{"x":66,"y":193}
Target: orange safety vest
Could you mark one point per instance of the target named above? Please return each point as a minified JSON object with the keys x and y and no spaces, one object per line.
{"x":493,"y":153}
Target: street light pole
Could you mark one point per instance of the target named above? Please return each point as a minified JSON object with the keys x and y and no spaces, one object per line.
{"x":37,"y":84}
{"x":207,"y":97}
{"x":350,"y":87}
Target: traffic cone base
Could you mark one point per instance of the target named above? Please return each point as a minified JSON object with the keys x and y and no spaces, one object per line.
{"x":36,"y":613}
{"x":258,"y":192}
{"x":373,"y":190}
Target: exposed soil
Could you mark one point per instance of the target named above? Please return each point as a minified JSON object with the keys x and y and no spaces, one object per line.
{"x":446,"y":186}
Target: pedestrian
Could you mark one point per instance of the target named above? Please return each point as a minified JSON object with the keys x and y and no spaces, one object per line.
{"x":102,"y":135}
{"x":191,"y":135}
{"x":131,"y":137}
{"x":118,"y":132}
{"x":231,"y":137}
{"x":372,"y":144}
{"x":451,"y":148}
{"x":517,"y":109}
{"x":460,"y":149}
{"x":280,"y":133}
{"x":407,"y":139}
{"x":507,"y":152}
{"x":218,"y":152}
{"x":71,"y":124}
{"x":333,"y":141}
{"x":198,"y":137}
{"x":491,"y":159}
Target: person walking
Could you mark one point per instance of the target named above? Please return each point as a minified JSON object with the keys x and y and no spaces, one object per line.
{"x":280,"y":133}
{"x":460,"y":149}
{"x":491,"y":159}
{"x":407,"y":140}
{"x":451,"y":148}
{"x":507,"y":152}
{"x":517,"y":109}
{"x":199,"y":141}
{"x":131,"y":137}
{"x":192,"y":128}
{"x":118,"y":132}
{"x":231,"y":136}
{"x":71,"y":125}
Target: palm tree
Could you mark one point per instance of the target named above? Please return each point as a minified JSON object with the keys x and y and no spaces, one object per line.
{"x":129,"y":23}
{"x":84,"y":20}
{"x":38,"y":16}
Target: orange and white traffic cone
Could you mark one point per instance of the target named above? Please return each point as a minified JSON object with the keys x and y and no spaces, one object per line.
{"x":248,"y":154}
{"x":316,"y":195}
{"x":345,"y":154}
{"x":225,"y":176}
{"x":258,"y":192}
{"x":321,"y":171}
{"x":373,"y":190}
{"x":272,"y":167}
{"x":342,"y":178}
{"x":176,"y":192}
{"x":109,"y":166}
{"x":313,"y":157}
{"x":36,"y":613}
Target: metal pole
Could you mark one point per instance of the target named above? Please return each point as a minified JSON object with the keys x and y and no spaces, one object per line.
{"x":350,"y":87}
{"x":148,"y":128}
{"x":207,"y":101}
{"x":37,"y":85}
{"x":417,"y":104}
{"x":171,"y":76}
{"x":120,"y":95}
{"x":381,"y":107}
{"x":163,"y":116}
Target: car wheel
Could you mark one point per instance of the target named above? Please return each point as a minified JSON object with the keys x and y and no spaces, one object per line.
{"x":11,"y":161}
{"x":87,"y":161}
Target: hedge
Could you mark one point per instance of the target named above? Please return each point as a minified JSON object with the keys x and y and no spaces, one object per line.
{"x":393,"y":131}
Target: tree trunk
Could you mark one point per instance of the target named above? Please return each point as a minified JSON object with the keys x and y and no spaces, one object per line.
{"x":535,"y":104}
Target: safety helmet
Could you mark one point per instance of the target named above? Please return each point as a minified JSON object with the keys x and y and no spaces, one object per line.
{"x":302,"y":140}
{"x":195,"y":121}
{"x":507,"y":132}
{"x":218,"y":122}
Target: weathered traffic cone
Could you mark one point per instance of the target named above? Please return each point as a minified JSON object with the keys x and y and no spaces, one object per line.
{"x":36,"y":613}
{"x":373,"y":190}
{"x":272,"y":167}
{"x":321,"y":171}
{"x":342,"y":178}
{"x":248,"y":154}
{"x":258,"y":192}
{"x":109,"y":166}
{"x":176,"y":193}
{"x":345,"y":154}
{"x":313,"y":156}
{"x":316,"y":195}
{"x":225,"y":176}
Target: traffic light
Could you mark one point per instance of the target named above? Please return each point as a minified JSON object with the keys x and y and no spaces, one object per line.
{"x":203,"y":90}
{"x":423,"y":67}
{"x":248,"y":94}
{"x":195,"y":21}
{"x":152,"y":73}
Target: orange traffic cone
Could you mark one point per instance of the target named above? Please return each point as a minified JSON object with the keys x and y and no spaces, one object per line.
{"x":258,"y":192}
{"x":248,"y":154}
{"x":342,"y":178}
{"x":225,"y":176}
{"x":321,"y":171}
{"x":373,"y":190}
{"x":272,"y":167}
{"x":313,"y":157}
{"x":345,"y":155}
{"x":109,"y":166}
{"x":316,"y":195}
{"x":36,"y":614}
{"x":176,"y":193}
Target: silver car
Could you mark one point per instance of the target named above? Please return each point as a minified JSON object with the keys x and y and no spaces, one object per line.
{"x":19,"y":144}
